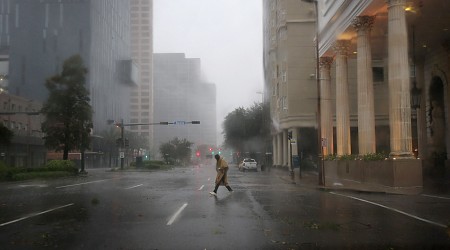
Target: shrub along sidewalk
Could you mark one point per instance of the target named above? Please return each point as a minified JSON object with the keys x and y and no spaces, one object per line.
{"x":53,"y":169}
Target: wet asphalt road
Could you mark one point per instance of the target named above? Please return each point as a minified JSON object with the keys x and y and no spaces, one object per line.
{"x":173,"y":210}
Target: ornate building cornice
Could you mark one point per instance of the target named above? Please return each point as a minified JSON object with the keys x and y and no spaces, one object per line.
{"x":325,"y":62}
{"x":341,"y":47}
{"x":363,"y":23}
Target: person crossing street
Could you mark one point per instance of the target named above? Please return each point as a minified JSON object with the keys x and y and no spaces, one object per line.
{"x":221,"y":177}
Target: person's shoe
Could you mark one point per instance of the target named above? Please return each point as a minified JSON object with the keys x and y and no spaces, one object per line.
{"x":213,"y":193}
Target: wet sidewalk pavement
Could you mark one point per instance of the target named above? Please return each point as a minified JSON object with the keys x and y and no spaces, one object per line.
{"x":431,"y":186}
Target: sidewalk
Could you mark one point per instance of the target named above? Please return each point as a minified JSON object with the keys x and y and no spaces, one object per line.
{"x":311,"y":179}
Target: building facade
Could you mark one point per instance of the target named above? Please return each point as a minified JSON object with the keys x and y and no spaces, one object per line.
{"x":404,"y":44}
{"x":141,"y":109}
{"x":20,"y":115}
{"x":371,"y":55}
{"x":180,"y":94}
{"x":289,"y":68}
{"x":42,"y":34}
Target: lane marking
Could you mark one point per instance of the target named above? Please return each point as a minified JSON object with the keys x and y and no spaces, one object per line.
{"x":209,"y":179}
{"x":201,"y":187}
{"x":78,"y":184}
{"x":174,"y":217}
{"x":393,"y":209}
{"x":35,"y":214}
{"x":434,"y":196}
{"x":134,"y":186}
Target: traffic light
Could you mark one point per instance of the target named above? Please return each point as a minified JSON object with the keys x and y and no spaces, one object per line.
{"x":197,"y":154}
{"x":290,"y":135}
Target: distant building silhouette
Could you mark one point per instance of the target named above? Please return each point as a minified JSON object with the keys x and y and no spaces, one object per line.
{"x":141,"y":102}
{"x":180,"y":94}
{"x":42,"y":34}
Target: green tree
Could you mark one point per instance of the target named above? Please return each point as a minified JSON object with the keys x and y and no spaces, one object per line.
{"x":176,"y":149}
{"x":6,"y":135}
{"x":67,"y":110}
{"x":248,"y":130}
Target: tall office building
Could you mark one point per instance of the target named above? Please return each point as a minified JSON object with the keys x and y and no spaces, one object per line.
{"x":141,"y":108}
{"x":289,"y":67}
{"x":43,"y":34}
{"x":182,"y":95}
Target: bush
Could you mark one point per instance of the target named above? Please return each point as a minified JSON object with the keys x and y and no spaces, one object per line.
{"x":54,"y":168}
{"x":40,"y":174}
{"x":153,"y":164}
{"x":374,"y":157}
{"x":61,"y":165}
{"x":366,"y":157}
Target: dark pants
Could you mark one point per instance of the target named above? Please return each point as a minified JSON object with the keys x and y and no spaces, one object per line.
{"x":218,"y":184}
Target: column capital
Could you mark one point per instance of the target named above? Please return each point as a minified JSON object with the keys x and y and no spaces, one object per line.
{"x":325,"y":62}
{"x":341,"y":47}
{"x":363,"y":23}
{"x":395,"y":2}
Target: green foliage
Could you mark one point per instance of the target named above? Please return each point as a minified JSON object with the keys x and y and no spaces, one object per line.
{"x":248,"y":130}
{"x":366,"y":157}
{"x":177,"y":150}
{"x":42,"y":174}
{"x":6,"y":135}
{"x":347,"y":157}
{"x":330,"y":157}
{"x":53,"y":169}
{"x":154,"y":165}
{"x":61,"y":165}
{"x":67,"y":110}
{"x":374,"y":157}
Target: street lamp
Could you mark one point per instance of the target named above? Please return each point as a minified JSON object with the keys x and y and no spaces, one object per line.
{"x":416,"y":93}
{"x":319,"y":126}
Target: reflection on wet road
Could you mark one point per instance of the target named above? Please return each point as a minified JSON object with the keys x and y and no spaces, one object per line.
{"x":173,"y":209}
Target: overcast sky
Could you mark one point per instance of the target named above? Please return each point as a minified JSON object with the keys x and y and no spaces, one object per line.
{"x":226,"y":35}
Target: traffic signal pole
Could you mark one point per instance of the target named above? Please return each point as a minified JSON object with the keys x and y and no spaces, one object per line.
{"x":122,"y":139}
{"x":122,"y":145}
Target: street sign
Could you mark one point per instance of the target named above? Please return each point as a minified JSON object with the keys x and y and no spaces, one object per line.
{"x":122,"y":155}
{"x":179,"y":122}
{"x":293,"y":141}
{"x":324,"y":142}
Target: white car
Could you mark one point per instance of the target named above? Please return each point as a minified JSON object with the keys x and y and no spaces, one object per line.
{"x":248,"y":164}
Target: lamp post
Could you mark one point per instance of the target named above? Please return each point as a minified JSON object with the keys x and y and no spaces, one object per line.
{"x":319,"y":125}
{"x":416,"y":93}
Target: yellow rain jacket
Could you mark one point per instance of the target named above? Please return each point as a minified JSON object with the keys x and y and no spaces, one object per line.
{"x":222,"y":169}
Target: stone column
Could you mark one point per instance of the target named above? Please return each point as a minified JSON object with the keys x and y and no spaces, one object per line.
{"x":399,"y":86}
{"x":280,"y":149}
{"x":342,"y":101}
{"x":366,"y":109}
{"x":285,"y":148}
{"x":326,"y":104}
